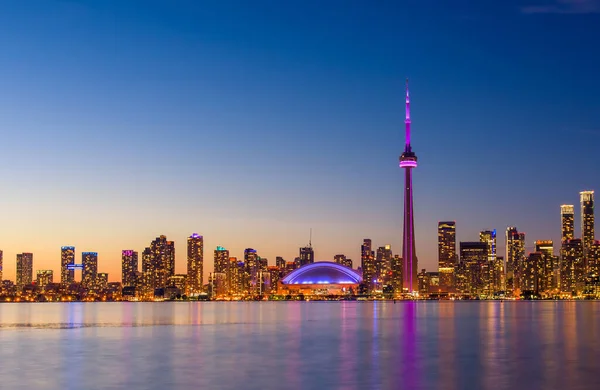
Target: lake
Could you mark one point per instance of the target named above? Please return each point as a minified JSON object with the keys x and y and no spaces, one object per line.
{"x":300,"y":345}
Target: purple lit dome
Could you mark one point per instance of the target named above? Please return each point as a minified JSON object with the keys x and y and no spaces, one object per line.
{"x":323,"y":272}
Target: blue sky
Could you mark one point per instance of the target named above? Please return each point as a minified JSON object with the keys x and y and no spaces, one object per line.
{"x":251,"y":122}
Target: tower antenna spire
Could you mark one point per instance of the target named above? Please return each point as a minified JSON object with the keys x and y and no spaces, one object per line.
{"x":407,"y":147}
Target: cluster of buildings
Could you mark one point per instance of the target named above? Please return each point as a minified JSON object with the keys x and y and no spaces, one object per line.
{"x":477,"y":270}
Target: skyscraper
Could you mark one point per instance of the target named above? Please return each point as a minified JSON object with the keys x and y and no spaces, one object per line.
{"x":383,"y":263}
{"x":89,"y":260}
{"x":24,"y":269}
{"x":397,"y":268}
{"x":489,"y":237}
{"x":567,"y":220}
{"x":158,"y":264}
{"x":367,"y":263}
{"x":515,"y":254}
{"x":44,"y":277}
{"x":252,"y":265}
{"x":572,"y":268}
{"x":222,"y":266}
{"x":307,"y":255}
{"x":446,"y":254}
{"x":343,"y":260}
{"x":473,"y":257}
{"x":195,"y":263}
{"x":129,"y":267}
{"x":408,"y":161}
{"x":587,"y":220}
{"x":67,"y":257}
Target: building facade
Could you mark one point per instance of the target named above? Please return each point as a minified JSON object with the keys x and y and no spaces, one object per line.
{"x":67,"y":258}
{"x":446,"y":254}
{"x":24,"y":269}
{"x":195,"y":264}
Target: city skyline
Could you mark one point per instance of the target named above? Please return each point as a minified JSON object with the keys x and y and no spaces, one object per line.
{"x":223,"y":121}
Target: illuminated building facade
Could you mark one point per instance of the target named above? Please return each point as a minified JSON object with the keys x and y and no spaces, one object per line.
{"x":280,"y":262}
{"x":397,"y":276}
{"x":383,"y":263}
{"x":67,"y":257}
{"x":307,"y":255}
{"x":252,"y":263}
{"x":567,"y":221}
{"x":129,"y":268}
{"x":195,"y":263}
{"x":221,"y":265}
{"x":515,"y":254}
{"x":473,"y":260}
{"x":158,"y":264}
{"x":532,"y":273}
{"x":343,"y":260}
{"x":408,"y":161}
{"x":367,"y":264}
{"x":446,"y":254}
{"x":489,"y":237}
{"x":44,"y":277}
{"x":321,"y":278}
{"x":587,"y":220}
{"x":24,"y":269}
{"x":593,"y":258}
{"x":551,"y":264}
{"x":101,"y":282}
{"x":89,"y":272}
{"x":179,"y":282}
{"x":572,"y":271}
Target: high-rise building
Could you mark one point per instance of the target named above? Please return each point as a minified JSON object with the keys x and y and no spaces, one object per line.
{"x":515,"y":254}
{"x":67,"y":258}
{"x":587,"y":220}
{"x":408,"y":161}
{"x":383,"y":264}
{"x":489,"y":237}
{"x":446,"y":254}
{"x":237,"y":271}
{"x":158,"y":264}
{"x":307,"y":255}
{"x":397,"y":268}
{"x":44,"y":277}
{"x":24,"y":269}
{"x":572,"y":269}
{"x":343,"y":260}
{"x":222,"y":266}
{"x":129,"y":267}
{"x":89,"y":273}
{"x":195,"y":263}
{"x":101,"y":281}
{"x":550,"y":264}
{"x":252,"y":263}
{"x":532,"y":275}
{"x":367,"y":263}
{"x":593,"y":258}
{"x":280,"y":262}
{"x":473,"y":259}
{"x":567,"y":221}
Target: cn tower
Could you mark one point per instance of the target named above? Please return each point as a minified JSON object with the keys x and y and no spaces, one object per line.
{"x":408,"y":161}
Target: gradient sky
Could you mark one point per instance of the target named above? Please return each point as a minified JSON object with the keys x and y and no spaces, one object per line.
{"x":250,"y":122}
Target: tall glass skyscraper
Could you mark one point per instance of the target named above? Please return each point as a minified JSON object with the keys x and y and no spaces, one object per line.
{"x":129,"y":267}
{"x":587,"y":220}
{"x":446,"y":254}
{"x":24,"y":269}
{"x":195,"y":263}
{"x":67,"y":257}
{"x":567,"y":221}
{"x":89,"y":260}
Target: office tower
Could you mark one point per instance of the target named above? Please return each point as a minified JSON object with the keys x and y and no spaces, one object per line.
{"x":489,"y":237}
{"x":158,"y":264}
{"x":235,"y":287}
{"x":423,"y":281}
{"x":274,"y":277}
{"x":221,"y":265}
{"x":89,"y":273}
{"x":280,"y":262}
{"x":550,"y":264}
{"x":252,"y":263}
{"x":408,"y":161}
{"x":195,"y":264}
{"x":567,"y":220}
{"x":1,"y":254}
{"x":532,"y":275}
{"x":147,"y":273}
{"x":473,"y":258}
{"x":587,"y":220}
{"x":397,"y":277}
{"x":307,"y":255}
{"x":67,"y":258}
{"x":383,"y":263}
{"x":24,"y":269}
{"x":593,"y":258}
{"x":129,"y":267}
{"x":101,"y":281}
{"x":446,"y":254}
{"x":367,"y":263}
{"x":44,"y":277}
{"x":572,"y":271}
{"x":515,"y":253}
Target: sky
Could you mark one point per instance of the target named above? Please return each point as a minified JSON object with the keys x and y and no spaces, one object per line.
{"x":251,"y":122}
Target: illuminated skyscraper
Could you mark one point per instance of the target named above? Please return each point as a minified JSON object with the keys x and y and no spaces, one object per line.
{"x":397,"y":268}
{"x":567,"y":220}
{"x":280,"y":262}
{"x":408,"y":161}
{"x":222,"y":266}
{"x":515,"y":254}
{"x":343,"y":260}
{"x":24,"y":269}
{"x":593,"y":258}
{"x":532,"y":273}
{"x":195,"y":264}
{"x":572,"y":269}
{"x":473,"y":258}
{"x":367,"y":263}
{"x":550,"y":264}
{"x":44,"y":277}
{"x":252,"y":264}
{"x":67,"y":257}
{"x":89,"y":273}
{"x":383,"y":263}
{"x":129,"y":267}
{"x":307,"y":255}
{"x":101,"y":281}
{"x":587,"y":220}
{"x":489,"y":237}
{"x":158,"y":264}
{"x":446,"y":254}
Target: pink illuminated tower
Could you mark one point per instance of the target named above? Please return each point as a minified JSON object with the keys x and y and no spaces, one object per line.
{"x":408,"y":161}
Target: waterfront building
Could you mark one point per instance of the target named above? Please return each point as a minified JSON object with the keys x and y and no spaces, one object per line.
{"x":89,"y":261}
{"x":587,"y":220}
{"x":221,"y":265}
{"x":44,"y":277}
{"x":252,"y":263}
{"x":280,"y":262}
{"x":67,"y":258}
{"x":383,"y":263}
{"x":178,"y":282}
{"x":101,"y":282}
{"x":307,"y":255}
{"x":423,"y":279}
{"x":408,"y":161}
{"x":572,"y":271}
{"x":158,"y":264}
{"x":515,"y":254}
{"x":473,"y":258}
{"x":551,"y":264}
{"x":397,"y":277}
{"x":593,"y":258}
{"x":129,"y":267}
{"x":446,"y":254}
{"x":321,"y":278}
{"x":489,"y":238}
{"x":24,"y":270}
{"x":195,"y":264}
{"x":367,"y":264}
{"x":274,"y":277}
{"x":567,"y":221}
{"x":532,"y":274}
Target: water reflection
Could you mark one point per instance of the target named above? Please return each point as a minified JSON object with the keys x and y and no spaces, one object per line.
{"x":299,"y":345}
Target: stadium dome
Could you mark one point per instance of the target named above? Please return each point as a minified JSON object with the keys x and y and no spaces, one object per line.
{"x":323,"y":273}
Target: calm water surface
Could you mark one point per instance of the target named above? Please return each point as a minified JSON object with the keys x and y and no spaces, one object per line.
{"x":300,"y":345}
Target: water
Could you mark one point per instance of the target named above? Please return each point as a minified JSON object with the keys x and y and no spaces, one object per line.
{"x":300,"y":345}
